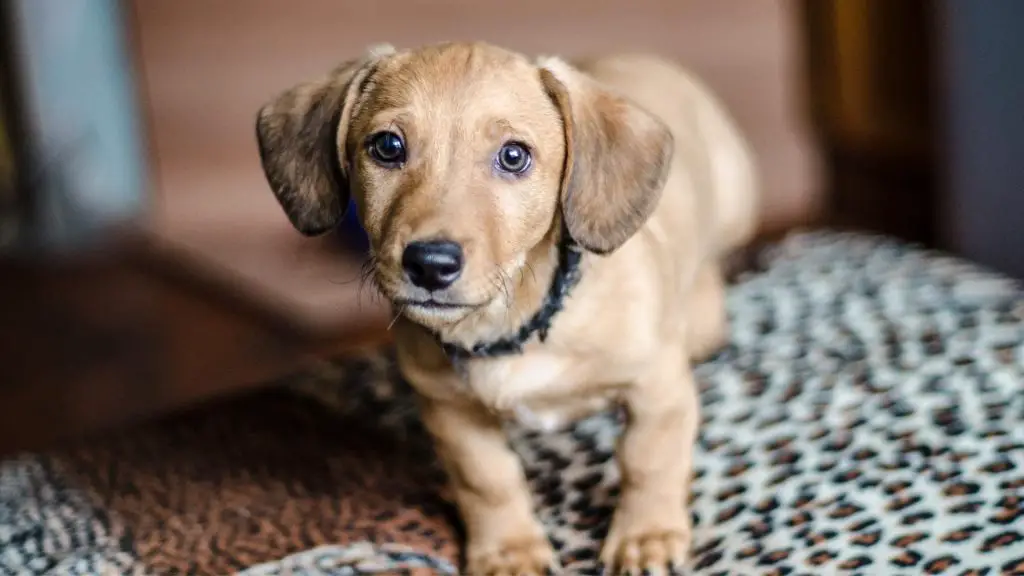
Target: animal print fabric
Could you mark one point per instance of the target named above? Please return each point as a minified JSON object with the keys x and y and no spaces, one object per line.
{"x":867,"y":417}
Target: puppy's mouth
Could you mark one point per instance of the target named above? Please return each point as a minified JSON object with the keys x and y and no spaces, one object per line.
{"x":432,"y":304}
{"x":434,"y":313}
{"x":429,"y":308}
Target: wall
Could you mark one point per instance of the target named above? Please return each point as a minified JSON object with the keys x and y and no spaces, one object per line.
{"x":81,"y":118}
{"x":983,"y":53}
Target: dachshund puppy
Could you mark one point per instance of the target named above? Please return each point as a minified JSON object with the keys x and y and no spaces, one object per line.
{"x":550,"y":236}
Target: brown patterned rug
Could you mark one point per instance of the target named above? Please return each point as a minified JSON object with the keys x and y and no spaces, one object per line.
{"x":867,"y":418}
{"x":252,"y":480}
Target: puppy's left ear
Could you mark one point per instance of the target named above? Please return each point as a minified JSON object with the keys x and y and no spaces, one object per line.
{"x":617,"y":158}
{"x":301,"y":136}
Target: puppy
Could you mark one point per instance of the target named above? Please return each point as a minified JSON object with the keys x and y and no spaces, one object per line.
{"x":550,"y":237}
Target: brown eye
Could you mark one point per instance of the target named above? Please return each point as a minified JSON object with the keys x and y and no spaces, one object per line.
{"x":387,"y":148}
{"x":513,"y":158}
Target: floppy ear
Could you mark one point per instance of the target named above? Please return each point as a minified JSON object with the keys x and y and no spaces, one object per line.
{"x":301,"y":136}
{"x":617,"y":159}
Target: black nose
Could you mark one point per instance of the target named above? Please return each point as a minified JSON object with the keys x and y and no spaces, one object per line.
{"x":432,"y":265}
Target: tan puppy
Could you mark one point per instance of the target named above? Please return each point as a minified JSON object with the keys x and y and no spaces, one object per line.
{"x":550,"y":237}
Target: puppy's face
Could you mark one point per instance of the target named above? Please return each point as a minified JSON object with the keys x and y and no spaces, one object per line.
{"x":456,"y":157}
{"x":460,"y":159}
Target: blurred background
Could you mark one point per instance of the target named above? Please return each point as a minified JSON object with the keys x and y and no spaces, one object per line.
{"x":145,"y":266}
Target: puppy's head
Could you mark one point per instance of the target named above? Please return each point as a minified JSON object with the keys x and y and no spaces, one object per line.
{"x":462,"y":160}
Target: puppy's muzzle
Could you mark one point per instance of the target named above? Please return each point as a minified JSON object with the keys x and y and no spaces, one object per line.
{"x":433,"y":265}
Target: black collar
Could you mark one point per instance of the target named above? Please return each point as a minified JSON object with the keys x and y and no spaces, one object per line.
{"x":566,"y":276}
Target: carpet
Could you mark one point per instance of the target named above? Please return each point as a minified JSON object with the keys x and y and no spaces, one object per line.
{"x":867,"y":417}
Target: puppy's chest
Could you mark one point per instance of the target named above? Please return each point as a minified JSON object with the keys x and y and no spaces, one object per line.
{"x":540,"y":389}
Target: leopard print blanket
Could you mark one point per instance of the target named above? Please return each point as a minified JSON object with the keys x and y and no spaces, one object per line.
{"x":866,"y":418}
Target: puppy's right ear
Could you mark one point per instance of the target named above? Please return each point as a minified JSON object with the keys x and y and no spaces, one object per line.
{"x":301,"y":136}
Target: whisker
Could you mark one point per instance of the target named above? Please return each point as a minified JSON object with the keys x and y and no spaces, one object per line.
{"x":499,"y":285}
{"x":522,"y":275}
{"x":503,"y":277}
{"x":397,"y":316}
{"x":505,"y":286}
{"x":507,"y":282}
{"x":498,"y":280}
{"x":366,"y":274}
{"x":492,"y":279}
{"x":357,"y":278}
{"x":365,"y":267}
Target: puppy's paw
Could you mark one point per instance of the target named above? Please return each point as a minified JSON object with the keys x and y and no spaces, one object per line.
{"x":641,"y":543}
{"x":531,"y":556}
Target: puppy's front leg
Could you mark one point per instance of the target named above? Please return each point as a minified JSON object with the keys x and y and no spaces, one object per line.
{"x":651,"y":527}
{"x":503,"y":535}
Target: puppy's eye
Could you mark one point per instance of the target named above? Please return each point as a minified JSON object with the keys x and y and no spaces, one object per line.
{"x":387,"y":148}
{"x":513,"y":158}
